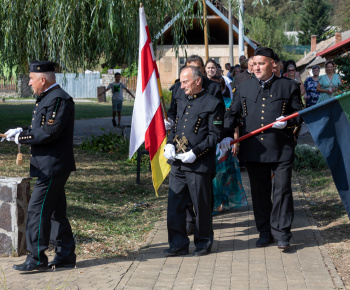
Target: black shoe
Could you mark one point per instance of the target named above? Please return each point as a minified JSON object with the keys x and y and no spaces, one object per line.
{"x":61,"y":263}
{"x":190,"y":229}
{"x":29,"y":266}
{"x":201,"y":252}
{"x":264,"y":240}
{"x":283,"y":245}
{"x":114,"y":123}
{"x":172,"y":252}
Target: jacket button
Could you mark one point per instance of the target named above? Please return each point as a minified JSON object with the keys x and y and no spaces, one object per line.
{"x":32,"y":119}
{"x":263,"y":112}
{"x":262,"y":118}
{"x":263,"y":99}
{"x":261,"y":139}
{"x":36,"y":105}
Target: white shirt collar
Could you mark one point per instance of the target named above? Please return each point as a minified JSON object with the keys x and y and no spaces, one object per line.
{"x":264,"y":82}
{"x":55,"y":84}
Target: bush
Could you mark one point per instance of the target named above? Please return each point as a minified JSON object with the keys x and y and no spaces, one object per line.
{"x":308,"y":157}
{"x":167,"y":96}
{"x":108,"y":142}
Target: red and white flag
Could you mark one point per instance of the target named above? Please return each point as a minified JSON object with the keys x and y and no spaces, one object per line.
{"x":147,"y":118}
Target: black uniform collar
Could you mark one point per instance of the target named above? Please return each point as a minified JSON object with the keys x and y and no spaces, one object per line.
{"x":42,"y":95}
{"x":267,"y":84}
{"x":201,"y":93}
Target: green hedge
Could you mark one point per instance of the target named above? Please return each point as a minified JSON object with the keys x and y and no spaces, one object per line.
{"x":308,"y":157}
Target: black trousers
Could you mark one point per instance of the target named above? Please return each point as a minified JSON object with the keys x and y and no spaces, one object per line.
{"x":274,"y":214}
{"x":190,"y":214}
{"x":186,"y":186}
{"x":46,"y":220}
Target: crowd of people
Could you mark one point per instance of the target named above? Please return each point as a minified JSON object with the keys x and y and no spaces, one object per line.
{"x":211,"y":110}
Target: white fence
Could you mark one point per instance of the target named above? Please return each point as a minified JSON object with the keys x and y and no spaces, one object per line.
{"x":80,"y":86}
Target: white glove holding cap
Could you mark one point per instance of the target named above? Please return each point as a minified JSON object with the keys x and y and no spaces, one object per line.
{"x":169,"y":152}
{"x":168,"y":123}
{"x":278,"y":124}
{"x":188,"y":157}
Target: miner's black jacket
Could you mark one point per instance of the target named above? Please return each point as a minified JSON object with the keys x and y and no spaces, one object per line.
{"x":200,"y":120}
{"x":51,"y":134}
{"x":259,"y":107}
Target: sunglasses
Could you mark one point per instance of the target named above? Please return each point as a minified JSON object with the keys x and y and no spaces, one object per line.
{"x":291,"y":70}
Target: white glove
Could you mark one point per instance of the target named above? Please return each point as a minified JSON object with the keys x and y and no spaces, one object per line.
{"x":225,"y":144}
{"x":220,"y":151}
{"x":12,"y":133}
{"x":168,"y":123}
{"x":188,"y":157}
{"x":169,"y":152}
{"x":16,"y":139}
{"x":279,"y":125}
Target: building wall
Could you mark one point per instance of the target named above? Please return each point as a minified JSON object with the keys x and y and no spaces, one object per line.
{"x":168,"y":63}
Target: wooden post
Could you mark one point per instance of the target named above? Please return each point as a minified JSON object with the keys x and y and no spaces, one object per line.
{"x":205,"y":30}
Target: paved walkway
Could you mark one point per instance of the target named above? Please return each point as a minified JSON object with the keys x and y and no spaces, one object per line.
{"x":235,"y":262}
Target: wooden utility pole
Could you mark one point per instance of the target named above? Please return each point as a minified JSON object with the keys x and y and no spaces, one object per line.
{"x":230,"y":33}
{"x":205,"y":30}
{"x":241,"y":28}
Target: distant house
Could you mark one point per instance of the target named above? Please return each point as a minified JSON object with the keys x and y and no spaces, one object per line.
{"x":217,"y":16}
{"x":335,"y":50}
{"x":314,"y":57}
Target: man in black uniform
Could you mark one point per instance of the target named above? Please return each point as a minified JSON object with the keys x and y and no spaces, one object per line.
{"x":51,"y":138}
{"x":213,"y":88}
{"x":198,"y":128}
{"x":263,"y":100}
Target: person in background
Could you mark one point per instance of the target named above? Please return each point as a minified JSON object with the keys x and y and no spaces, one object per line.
{"x":117,"y":98}
{"x":241,"y":58}
{"x":277,"y":68}
{"x":227,"y":185}
{"x":294,"y":75}
{"x":312,"y":95}
{"x":246,"y":74}
{"x":328,"y":83}
{"x":227,"y":67}
{"x":213,"y":70}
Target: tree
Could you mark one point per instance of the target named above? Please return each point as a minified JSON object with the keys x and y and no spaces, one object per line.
{"x":314,"y":20}
{"x":79,"y":33}
{"x":266,"y":31}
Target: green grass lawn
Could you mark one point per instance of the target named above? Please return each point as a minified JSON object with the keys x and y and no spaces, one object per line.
{"x":14,"y":114}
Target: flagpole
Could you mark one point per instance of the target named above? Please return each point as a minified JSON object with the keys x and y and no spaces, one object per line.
{"x":264,"y":128}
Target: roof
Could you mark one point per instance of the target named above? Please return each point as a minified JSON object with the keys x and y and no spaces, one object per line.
{"x":321,"y":46}
{"x":318,"y":60}
{"x":219,"y":14}
{"x":336,"y":48}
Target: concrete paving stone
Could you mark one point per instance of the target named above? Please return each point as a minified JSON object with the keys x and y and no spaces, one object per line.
{"x":201,"y":287}
{"x":182,"y":287}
